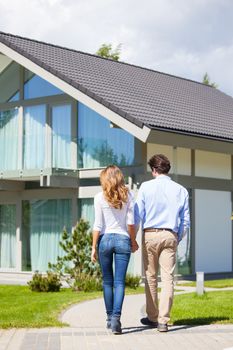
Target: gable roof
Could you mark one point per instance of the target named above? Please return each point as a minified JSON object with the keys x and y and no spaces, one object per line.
{"x":142,"y":96}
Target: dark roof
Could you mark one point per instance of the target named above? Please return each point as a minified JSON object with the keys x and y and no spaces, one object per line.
{"x":143,"y":96}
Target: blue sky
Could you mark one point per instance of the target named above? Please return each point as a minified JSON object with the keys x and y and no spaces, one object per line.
{"x":180,"y":37}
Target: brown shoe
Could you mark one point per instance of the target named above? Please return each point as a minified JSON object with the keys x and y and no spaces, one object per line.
{"x":162,"y":327}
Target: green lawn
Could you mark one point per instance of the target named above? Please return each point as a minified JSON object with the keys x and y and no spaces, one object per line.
{"x":224,"y":283}
{"x":20,"y":307}
{"x":212,"y":307}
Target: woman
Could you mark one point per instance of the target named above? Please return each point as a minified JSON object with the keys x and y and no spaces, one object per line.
{"x":114,"y":233}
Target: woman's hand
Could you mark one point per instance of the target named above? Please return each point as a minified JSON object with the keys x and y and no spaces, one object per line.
{"x":94,"y":255}
{"x":134,"y":246}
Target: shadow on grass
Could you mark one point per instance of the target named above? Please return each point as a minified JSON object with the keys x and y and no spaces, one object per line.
{"x":200,"y":321}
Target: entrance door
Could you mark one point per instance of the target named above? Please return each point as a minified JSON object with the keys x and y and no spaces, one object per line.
{"x":7,"y":236}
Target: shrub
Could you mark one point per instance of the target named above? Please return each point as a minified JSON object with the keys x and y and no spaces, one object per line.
{"x":87,"y":283}
{"x":48,"y":283}
{"x":132,"y":281}
{"x":75,"y":266}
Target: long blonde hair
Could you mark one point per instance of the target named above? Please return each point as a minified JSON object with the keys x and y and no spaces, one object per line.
{"x":114,"y":188}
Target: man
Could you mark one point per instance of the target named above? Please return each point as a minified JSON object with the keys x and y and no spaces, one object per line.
{"x":163,"y":207}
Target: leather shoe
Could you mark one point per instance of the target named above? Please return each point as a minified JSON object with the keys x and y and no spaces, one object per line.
{"x":146,"y":322}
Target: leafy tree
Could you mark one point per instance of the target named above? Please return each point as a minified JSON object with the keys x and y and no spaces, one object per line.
{"x":107,"y":51}
{"x":206,"y":81}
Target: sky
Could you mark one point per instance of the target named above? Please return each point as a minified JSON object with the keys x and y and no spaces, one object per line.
{"x":186,"y":38}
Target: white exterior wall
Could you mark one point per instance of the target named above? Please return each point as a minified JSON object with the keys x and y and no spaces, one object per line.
{"x":179,"y":157}
{"x":214,"y":165}
{"x":213,"y":228}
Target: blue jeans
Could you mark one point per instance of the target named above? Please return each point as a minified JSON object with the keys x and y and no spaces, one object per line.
{"x":114,"y":246}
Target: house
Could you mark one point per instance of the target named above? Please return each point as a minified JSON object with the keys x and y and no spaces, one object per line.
{"x":64,"y":115}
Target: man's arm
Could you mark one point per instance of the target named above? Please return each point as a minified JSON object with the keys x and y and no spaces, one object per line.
{"x":184,"y":219}
{"x":139,"y":208}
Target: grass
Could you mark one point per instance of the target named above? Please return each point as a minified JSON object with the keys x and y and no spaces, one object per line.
{"x":21,"y":307}
{"x":224,"y":283}
{"x":212,"y":307}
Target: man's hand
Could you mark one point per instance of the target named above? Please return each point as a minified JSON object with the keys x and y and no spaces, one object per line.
{"x":134,"y":246}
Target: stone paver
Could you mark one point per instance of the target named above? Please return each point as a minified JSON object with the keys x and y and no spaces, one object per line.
{"x":88,"y":331}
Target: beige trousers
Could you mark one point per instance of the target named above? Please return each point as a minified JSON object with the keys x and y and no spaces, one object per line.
{"x":159,"y":249}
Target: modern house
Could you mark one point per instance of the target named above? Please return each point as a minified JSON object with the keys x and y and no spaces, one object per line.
{"x":64,"y":115}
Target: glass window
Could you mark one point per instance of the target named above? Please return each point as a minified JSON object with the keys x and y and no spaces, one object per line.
{"x":9,"y":80}
{"x":99,"y":144}
{"x":43,"y":224}
{"x":9,"y":139}
{"x":86,"y":210}
{"x":35,"y":86}
{"x":7,"y":236}
{"x":61,"y":125}
{"x":34,"y":137}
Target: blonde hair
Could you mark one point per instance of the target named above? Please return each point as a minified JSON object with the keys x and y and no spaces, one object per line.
{"x":114,"y":188}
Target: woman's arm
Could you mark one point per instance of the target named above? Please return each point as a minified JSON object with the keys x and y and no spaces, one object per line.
{"x":95,"y":237}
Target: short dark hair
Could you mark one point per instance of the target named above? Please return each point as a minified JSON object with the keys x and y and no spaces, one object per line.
{"x":160,"y":163}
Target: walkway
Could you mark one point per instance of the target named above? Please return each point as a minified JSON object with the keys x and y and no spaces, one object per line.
{"x":88,"y":332}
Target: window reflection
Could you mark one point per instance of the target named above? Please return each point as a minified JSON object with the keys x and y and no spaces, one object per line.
{"x":99,"y":144}
{"x":35,"y":86}
{"x":9,"y":82}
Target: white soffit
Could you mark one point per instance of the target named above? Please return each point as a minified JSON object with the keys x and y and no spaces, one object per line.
{"x":140,"y":133}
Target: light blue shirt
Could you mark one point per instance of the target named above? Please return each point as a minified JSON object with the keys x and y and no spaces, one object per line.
{"x":163,"y":203}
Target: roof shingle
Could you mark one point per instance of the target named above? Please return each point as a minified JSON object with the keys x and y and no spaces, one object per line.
{"x":143,"y":96}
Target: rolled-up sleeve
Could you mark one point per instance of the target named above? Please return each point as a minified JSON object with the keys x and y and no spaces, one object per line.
{"x":130,"y":211}
{"x":98,"y":224}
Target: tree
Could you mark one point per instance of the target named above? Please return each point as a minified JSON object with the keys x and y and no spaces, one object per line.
{"x":75,"y":266}
{"x":107,"y":51}
{"x":206,"y":81}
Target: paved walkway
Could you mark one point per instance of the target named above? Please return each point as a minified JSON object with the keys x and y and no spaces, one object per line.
{"x":87,"y":332}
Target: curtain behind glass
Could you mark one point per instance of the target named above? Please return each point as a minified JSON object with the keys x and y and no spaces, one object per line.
{"x":86,"y":210}
{"x":34,"y":137}
{"x":7,"y":236}
{"x":47,"y":220}
{"x":9,"y":139}
{"x":100,"y":145}
{"x":61,"y":125}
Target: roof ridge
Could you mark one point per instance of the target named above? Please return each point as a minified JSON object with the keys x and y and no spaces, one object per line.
{"x":103,"y":58}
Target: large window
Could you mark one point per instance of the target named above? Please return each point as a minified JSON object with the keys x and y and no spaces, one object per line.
{"x":9,"y":80}
{"x":86,"y":210}
{"x":7,"y":236}
{"x":34,"y":137}
{"x":35,"y":86}
{"x":99,"y":143}
{"x":43,"y":223}
{"x":61,"y":126}
{"x":9,"y":139}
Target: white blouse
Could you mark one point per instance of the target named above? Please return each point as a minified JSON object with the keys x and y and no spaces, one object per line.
{"x":112,"y":220}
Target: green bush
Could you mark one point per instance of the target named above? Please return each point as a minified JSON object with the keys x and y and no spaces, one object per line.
{"x":87,"y":283}
{"x":132,"y":281}
{"x":75,"y":266}
{"x":48,"y":283}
